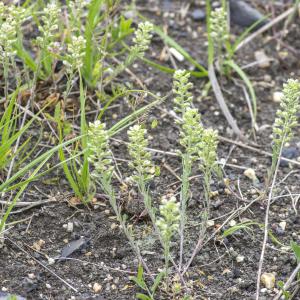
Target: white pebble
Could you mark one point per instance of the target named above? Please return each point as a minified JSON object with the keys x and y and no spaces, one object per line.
{"x":70,"y":227}
{"x":210,"y":223}
{"x":282,"y":225}
{"x":277,"y":96}
{"x":176,"y":54}
{"x":262,"y":59}
{"x":240,"y":258}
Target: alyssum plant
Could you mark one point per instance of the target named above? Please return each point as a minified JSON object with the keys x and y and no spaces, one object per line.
{"x":286,"y":120}
{"x":198,"y":143}
{"x":221,"y":50}
{"x":199,"y":147}
{"x":77,"y":171}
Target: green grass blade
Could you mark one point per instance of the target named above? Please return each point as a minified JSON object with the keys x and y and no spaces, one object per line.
{"x":91,"y":22}
{"x":25,"y":56}
{"x":171,"y":42}
{"x":170,"y":70}
{"x":47,"y":155}
{"x":130,"y":119}
{"x":17,"y":196}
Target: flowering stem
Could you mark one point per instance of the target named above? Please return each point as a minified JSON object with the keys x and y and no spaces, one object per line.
{"x":266,"y":225}
{"x":187,"y":169}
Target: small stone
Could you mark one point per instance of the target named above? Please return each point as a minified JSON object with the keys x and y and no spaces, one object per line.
{"x":51,"y":261}
{"x":240,"y":258}
{"x":210,"y":223}
{"x":283,"y":54}
{"x":48,"y":286}
{"x":176,"y":54}
{"x":262,"y":59}
{"x":129,"y":14}
{"x":264,"y":290}
{"x":97,"y":288}
{"x":198,"y":15}
{"x":232,"y":223}
{"x":232,"y":252}
{"x":38,"y":245}
{"x":226,"y":181}
{"x":282,"y":225}
{"x":113,"y":226}
{"x":268,"y":280}
{"x":214,"y":194}
{"x":70,"y":227}
{"x":31,"y":275}
{"x":277,"y":96}
{"x":267,"y":78}
{"x":250,"y":173}
{"x":227,"y":191}
{"x":253,"y":192}
{"x":290,"y":153}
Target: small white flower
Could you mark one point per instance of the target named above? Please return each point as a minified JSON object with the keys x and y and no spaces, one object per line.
{"x":74,"y":58}
{"x":286,"y":115}
{"x":8,"y":35}
{"x":181,"y":88}
{"x":141,"y":158}
{"x":49,"y":25}
{"x":100,"y":155}
{"x":219,"y":26}
{"x":168,"y":223}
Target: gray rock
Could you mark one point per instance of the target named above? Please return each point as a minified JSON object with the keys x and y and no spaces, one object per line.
{"x":244,"y":15}
{"x":198,"y":15}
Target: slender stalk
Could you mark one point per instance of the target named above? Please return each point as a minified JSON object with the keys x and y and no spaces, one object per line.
{"x":207,"y":179}
{"x":187,"y":169}
{"x":107,"y":187}
{"x":266,"y":223}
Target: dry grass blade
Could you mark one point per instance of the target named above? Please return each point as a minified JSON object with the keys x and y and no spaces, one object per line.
{"x":266,"y":27}
{"x":220,"y":98}
{"x":289,"y":282}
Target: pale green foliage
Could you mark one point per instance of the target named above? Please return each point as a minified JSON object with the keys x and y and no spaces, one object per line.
{"x":2,"y":10}
{"x":11,"y":18}
{"x":191,"y":133}
{"x":8,"y":35}
{"x":18,"y":13}
{"x":208,"y":152}
{"x":181,"y":87}
{"x":100,"y":155}
{"x":286,"y":116}
{"x":141,"y":162}
{"x":219,"y":25}
{"x":77,"y":7}
{"x":50,"y":25}
{"x":168,"y":223}
{"x":76,"y":51}
{"x":142,"y":39}
{"x":141,"y":42}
